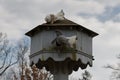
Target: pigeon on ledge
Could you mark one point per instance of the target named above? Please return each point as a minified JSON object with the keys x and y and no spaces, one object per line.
{"x":60,"y":40}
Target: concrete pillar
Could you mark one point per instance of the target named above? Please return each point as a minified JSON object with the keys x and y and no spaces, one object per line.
{"x":60,"y":76}
{"x":60,"y":71}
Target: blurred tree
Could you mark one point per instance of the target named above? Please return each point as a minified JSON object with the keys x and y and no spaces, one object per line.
{"x":6,"y":54}
{"x":86,"y":75}
{"x":19,"y":55}
{"x":23,"y":55}
{"x":116,"y":70}
{"x":11,"y":54}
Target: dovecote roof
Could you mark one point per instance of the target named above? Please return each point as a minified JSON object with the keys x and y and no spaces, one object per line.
{"x":61,"y":24}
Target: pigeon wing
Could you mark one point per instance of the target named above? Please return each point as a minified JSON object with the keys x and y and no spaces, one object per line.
{"x":62,"y":40}
{"x":54,"y":41}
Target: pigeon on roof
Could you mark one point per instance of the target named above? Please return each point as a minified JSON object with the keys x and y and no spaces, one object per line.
{"x":60,"y":15}
{"x":51,"y":18}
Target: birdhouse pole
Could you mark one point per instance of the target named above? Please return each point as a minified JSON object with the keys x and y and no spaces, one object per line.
{"x":60,"y":45}
{"x":59,"y":75}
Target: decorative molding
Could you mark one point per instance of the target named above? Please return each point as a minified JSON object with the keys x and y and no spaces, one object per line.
{"x":45,"y":51}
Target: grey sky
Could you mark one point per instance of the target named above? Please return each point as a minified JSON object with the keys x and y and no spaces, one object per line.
{"x":102,"y":16}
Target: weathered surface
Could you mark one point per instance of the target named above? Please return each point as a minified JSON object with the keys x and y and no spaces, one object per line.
{"x":61,"y":60}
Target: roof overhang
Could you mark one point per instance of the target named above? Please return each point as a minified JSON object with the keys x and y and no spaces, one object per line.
{"x":60,"y":26}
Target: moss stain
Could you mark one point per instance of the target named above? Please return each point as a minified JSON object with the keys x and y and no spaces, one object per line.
{"x":43,"y":58}
{"x":74,"y":56}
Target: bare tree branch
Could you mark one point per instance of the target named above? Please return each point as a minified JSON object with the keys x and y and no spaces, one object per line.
{"x":7,"y":53}
{"x":8,"y":67}
{"x":3,"y":48}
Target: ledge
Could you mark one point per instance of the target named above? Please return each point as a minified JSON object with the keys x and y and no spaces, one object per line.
{"x":53,"y":52}
{"x":75,"y":59}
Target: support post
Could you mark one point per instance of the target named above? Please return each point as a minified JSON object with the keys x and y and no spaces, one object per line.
{"x":60,"y":76}
{"x":60,"y":71}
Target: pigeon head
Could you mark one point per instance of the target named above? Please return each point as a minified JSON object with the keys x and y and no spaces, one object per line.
{"x":58,"y":32}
